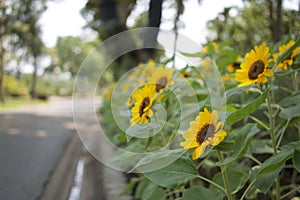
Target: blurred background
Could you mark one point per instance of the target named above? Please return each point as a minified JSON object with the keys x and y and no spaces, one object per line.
{"x":44,"y":42}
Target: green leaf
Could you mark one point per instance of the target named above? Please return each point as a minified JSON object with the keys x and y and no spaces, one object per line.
{"x":227,"y":57}
{"x":193,"y":55}
{"x":290,"y":112}
{"x":246,"y":110}
{"x":290,"y":100}
{"x":225,"y":146}
{"x":157,"y":160}
{"x":236,"y":179}
{"x":288,"y":52}
{"x":130,"y":186}
{"x":142,"y":186}
{"x":199,"y":192}
{"x":153,"y":192}
{"x":261,"y":147}
{"x":291,"y":146}
{"x":125,"y":158}
{"x":265,"y":181}
{"x":174,"y":174}
{"x":296,"y":160}
{"x":236,"y":90}
{"x":243,"y":139}
{"x":283,"y":73}
{"x":143,"y":130}
{"x":270,"y":169}
{"x":274,"y":162}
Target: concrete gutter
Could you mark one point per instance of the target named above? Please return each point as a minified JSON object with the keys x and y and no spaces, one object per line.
{"x":61,"y":180}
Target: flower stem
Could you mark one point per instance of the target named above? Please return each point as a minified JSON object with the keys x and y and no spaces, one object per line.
{"x":248,"y":188}
{"x":271,"y":122}
{"x":212,"y":183}
{"x":294,"y":80}
{"x":225,"y":177}
{"x":282,"y":133}
{"x":273,"y":137}
{"x":259,"y":122}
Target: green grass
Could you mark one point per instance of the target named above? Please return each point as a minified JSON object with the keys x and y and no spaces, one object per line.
{"x":14,"y":103}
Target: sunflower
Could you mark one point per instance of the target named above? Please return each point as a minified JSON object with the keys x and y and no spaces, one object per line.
{"x":161,"y":77}
{"x":138,"y":75}
{"x":284,"y":64}
{"x":235,"y":65}
{"x":185,"y":74}
{"x":204,"y":131}
{"x":148,"y":68}
{"x":254,"y":69}
{"x":144,"y":98}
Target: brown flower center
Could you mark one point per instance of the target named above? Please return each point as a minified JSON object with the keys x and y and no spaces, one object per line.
{"x":161,"y":83}
{"x":256,"y":68}
{"x":144,"y":104}
{"x":206,"y":131}
{"x":236,"y":65}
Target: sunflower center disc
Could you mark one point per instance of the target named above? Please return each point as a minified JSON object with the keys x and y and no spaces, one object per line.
{"x":161,"y":83}
{"x":256,"y":68}
{"x":144,"y":104}
{"x":236,"y":65}
{"x":205,"y":132}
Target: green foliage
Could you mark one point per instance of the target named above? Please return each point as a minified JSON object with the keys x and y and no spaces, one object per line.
{"x":296,"y":159}
{"x":199,"y":192}
{"x":259,"y":157}
{"x":246,"y":110}
{"x":250,"y":25}
{"x":243,"y":138}
{"x":174,"y":174}
{"x":14,"y":87}
{"x":237,"y":180}
{"x":69,"y":53}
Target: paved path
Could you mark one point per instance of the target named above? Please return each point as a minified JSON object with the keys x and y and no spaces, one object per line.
{"x":31,"y":142}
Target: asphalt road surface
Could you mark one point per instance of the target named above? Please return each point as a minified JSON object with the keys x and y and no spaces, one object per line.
{"x":31,"y":142}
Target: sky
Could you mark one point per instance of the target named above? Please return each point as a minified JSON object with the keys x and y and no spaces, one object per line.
{"x":63,"y":18}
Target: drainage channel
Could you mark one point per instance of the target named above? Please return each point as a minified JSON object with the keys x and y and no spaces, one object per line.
{"x":78,"y":179}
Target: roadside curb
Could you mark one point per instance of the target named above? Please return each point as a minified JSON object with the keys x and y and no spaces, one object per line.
{"x":61,"y":179}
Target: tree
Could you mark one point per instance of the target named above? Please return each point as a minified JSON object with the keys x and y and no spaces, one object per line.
{"x":275,"y":19}
{"x":109,"y":17}
{"x":245,"y":31}
{"x":20,"y":19}
{"x":30,"y":12}
{"x":68,"y":54}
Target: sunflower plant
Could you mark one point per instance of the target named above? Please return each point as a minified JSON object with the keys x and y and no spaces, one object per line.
{"x":182,"y":146}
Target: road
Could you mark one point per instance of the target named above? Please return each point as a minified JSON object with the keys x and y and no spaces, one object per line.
{"x":32,"y":140}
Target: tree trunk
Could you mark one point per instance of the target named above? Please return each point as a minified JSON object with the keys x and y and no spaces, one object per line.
{"x":154,"y":17}
{"x":34,"y":79}
{"x":1,"y":73}
{"x":271,"y":18}
{"x":277,"y":30}
{"x":275,"y":22}
{"x":113,"y":22}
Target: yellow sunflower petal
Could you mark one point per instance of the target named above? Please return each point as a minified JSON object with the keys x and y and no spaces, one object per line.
{"x":199,"y":151}
{"x":219,"y":124}
{"x":269,"y":72}
{"x":205,"y":116}
{"x":214,"y":117}
{"x":189,"y":144}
